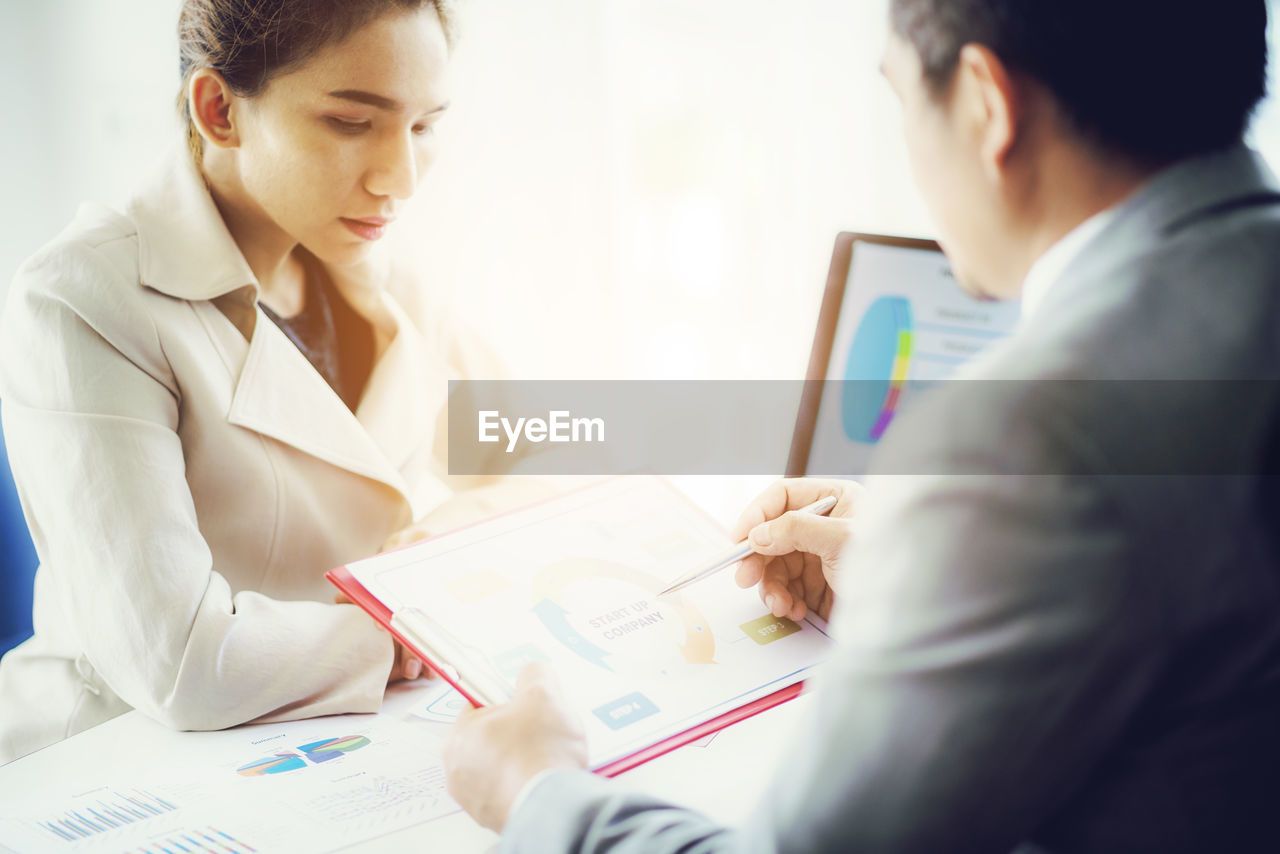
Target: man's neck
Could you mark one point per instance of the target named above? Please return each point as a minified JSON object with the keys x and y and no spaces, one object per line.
{"x":1073,"y":184}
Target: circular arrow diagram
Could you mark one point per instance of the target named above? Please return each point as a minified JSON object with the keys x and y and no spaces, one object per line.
{"x":548,"y":587}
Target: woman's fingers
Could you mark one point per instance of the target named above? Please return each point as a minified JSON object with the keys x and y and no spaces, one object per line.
{"x":412,"y":534}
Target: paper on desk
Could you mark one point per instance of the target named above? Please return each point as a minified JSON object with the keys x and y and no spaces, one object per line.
{"x":573,"y":581}
{"x":312,"y":785}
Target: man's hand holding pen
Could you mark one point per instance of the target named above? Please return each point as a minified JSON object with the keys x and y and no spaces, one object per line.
{"x":795,"y":553}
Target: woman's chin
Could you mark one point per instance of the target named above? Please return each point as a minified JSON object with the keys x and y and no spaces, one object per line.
{"x":341,"y":254}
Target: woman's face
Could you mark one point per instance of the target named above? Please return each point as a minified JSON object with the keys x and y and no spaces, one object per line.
{"x":332,"y":150}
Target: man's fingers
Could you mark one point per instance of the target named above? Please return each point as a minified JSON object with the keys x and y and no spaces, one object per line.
{"x":800,"y":532}
{"x":537,"y":679}
{"x":778,"y":601}
{"x":774,"y":592}
{"x":533,"y":673}
{"x":792,"y":585}
{"x":750,"y":571}
{"x":798,"y":606}
{"x":758,"y":510}
{"x":793,"y":493}
{"x":468,"y":713}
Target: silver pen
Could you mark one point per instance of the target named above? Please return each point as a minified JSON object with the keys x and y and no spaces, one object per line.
{"x":820,"y":507}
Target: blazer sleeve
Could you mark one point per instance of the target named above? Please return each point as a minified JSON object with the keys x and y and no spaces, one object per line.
{"x":992,"y":646}
{"x":91,"y":411}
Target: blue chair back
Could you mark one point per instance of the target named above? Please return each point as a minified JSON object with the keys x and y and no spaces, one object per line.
{"x":17,"y":562}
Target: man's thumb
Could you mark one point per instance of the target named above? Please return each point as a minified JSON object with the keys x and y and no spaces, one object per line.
{"x":800,"y":532}
{"x":537,"y":677}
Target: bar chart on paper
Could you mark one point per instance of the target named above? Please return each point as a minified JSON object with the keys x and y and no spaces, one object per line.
{"x":105,"y":813}
{"x":133,"y":820}
{"x":312,"y":785}
{"x":196,"y":841}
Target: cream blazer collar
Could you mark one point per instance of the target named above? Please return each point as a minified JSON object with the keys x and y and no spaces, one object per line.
{"x":185,"y":251}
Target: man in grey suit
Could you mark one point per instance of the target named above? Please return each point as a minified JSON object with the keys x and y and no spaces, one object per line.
{"x":1062,"y":629}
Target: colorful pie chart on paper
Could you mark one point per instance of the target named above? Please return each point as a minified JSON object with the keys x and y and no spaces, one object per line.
{"x":278,"y":764}
{"x":332,"y":748}
{"x":877,"y":369}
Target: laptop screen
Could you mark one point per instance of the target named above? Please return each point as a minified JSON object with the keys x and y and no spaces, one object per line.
{"x":893,"y":320}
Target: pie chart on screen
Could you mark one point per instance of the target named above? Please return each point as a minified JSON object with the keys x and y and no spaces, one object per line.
{"x":877,"y":368}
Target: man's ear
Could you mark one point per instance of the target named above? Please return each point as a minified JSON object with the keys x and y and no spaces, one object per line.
{"x":211,"y":100}
{"x":993,"y":103}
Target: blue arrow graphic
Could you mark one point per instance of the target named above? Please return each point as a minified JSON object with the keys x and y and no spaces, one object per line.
{"x":556,"y":620}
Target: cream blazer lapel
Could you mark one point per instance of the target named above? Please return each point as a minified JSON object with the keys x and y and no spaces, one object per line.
{"x":398,"y":422}
{"x":185,"y":251}
{"x":279,"y":394}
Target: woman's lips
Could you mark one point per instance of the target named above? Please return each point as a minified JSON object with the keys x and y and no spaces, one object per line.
{"x":371,"y":228}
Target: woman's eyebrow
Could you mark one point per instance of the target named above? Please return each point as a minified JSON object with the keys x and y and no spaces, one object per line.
{"x":374,"y":100}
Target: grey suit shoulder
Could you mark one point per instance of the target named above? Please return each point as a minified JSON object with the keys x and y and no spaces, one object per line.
{"x":1076,"y":641}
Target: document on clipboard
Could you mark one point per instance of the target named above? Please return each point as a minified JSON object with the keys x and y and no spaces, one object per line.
{"x":572,"y":582}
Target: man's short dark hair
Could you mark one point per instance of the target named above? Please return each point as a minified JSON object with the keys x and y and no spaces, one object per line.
{"x":1152,"y":80}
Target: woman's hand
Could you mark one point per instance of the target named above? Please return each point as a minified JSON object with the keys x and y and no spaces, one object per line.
{"x":405,"y":536}
{"x":796,"y":553}
{"x":404,"y":664}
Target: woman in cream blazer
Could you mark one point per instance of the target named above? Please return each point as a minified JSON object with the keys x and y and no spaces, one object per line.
{"x":189,"y":477}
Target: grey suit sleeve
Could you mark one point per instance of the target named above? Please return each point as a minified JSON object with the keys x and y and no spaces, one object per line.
{"x":578,"y":811}
{"x":993,"y":643}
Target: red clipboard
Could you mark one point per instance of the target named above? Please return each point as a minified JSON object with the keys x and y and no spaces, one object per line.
{"x":342,"y":578}
{"x":344,"y":581}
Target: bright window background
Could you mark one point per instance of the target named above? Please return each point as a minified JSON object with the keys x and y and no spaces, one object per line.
{"x":627,"y":188}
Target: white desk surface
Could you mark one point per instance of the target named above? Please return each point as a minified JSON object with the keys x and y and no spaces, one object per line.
{"x":722,"y":776}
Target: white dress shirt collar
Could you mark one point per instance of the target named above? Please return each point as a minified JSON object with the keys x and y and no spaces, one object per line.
{"x":1050,"y":266}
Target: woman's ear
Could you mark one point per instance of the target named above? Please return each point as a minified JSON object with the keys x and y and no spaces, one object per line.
{"x":994,"y":105}
{"x":210,"y":100}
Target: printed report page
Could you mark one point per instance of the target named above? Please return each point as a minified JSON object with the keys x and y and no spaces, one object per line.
{"x":573,"y":582}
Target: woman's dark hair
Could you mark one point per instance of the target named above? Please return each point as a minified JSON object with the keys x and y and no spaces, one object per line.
{"x":250,"y":41}
{"x":1151,"y":80}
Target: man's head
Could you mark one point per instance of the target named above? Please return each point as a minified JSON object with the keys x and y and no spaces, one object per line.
{"x":1025,"y":117}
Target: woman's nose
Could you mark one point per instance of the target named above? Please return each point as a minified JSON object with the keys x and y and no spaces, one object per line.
{"x":395,"y":169}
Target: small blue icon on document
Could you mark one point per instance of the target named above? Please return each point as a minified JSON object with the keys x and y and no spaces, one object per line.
{"x":625,"y":711}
